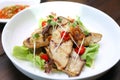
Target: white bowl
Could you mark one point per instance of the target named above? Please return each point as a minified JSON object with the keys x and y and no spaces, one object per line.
{"x":5,"y":3}
{"x":24,"y":23}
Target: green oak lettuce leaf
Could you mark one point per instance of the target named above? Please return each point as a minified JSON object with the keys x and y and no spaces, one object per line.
{"x":24,"y":53}
{"x":90,"y":54}
{"x":20,"y":52}
{"x":86,"y":31}
{"x":40,"y":22}
{"x":39,"y":62}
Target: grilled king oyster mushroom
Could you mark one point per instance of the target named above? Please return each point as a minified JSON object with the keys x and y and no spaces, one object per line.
{"x":42,"y":40}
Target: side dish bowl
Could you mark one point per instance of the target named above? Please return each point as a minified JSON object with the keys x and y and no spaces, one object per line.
{"x":7,"y":3}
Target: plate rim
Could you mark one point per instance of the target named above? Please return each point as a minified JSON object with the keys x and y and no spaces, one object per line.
{"x":14,"y":62}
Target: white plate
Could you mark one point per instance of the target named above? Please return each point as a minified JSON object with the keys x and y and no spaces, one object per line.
{"x":24,"y":23}
{"x":5,"y":3}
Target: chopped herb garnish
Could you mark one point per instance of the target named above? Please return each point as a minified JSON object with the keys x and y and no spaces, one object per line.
{"x":86,"y":33}
{"x":59,"y":20}
{"x":35,"y":36}
{"x":53,"y":23}
{"x":75,"y":23}
{"x":49,"y":21}
{"x":50,"y":16}
{"x":79,"y":22}
{"x":69,"y":23}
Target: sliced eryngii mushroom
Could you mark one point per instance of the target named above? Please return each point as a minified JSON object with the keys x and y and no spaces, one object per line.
{"x":40,"y":41}
{"x":61,"y":54}
{"x":75,"y":65}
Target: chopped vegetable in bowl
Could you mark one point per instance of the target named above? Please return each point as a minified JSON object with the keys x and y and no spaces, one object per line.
{"x":9,"y":11}
{"x":62,"y":44}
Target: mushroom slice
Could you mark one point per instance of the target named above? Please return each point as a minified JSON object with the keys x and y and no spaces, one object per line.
{"x":75,"y":65}
{"x":61,"y":55}
{"x":60,"y":50}
{"x":40,"y":41}
{"x":78,"y":35}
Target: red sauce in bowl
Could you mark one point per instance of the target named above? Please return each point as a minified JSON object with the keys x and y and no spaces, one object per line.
{"x":9,"y":11}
